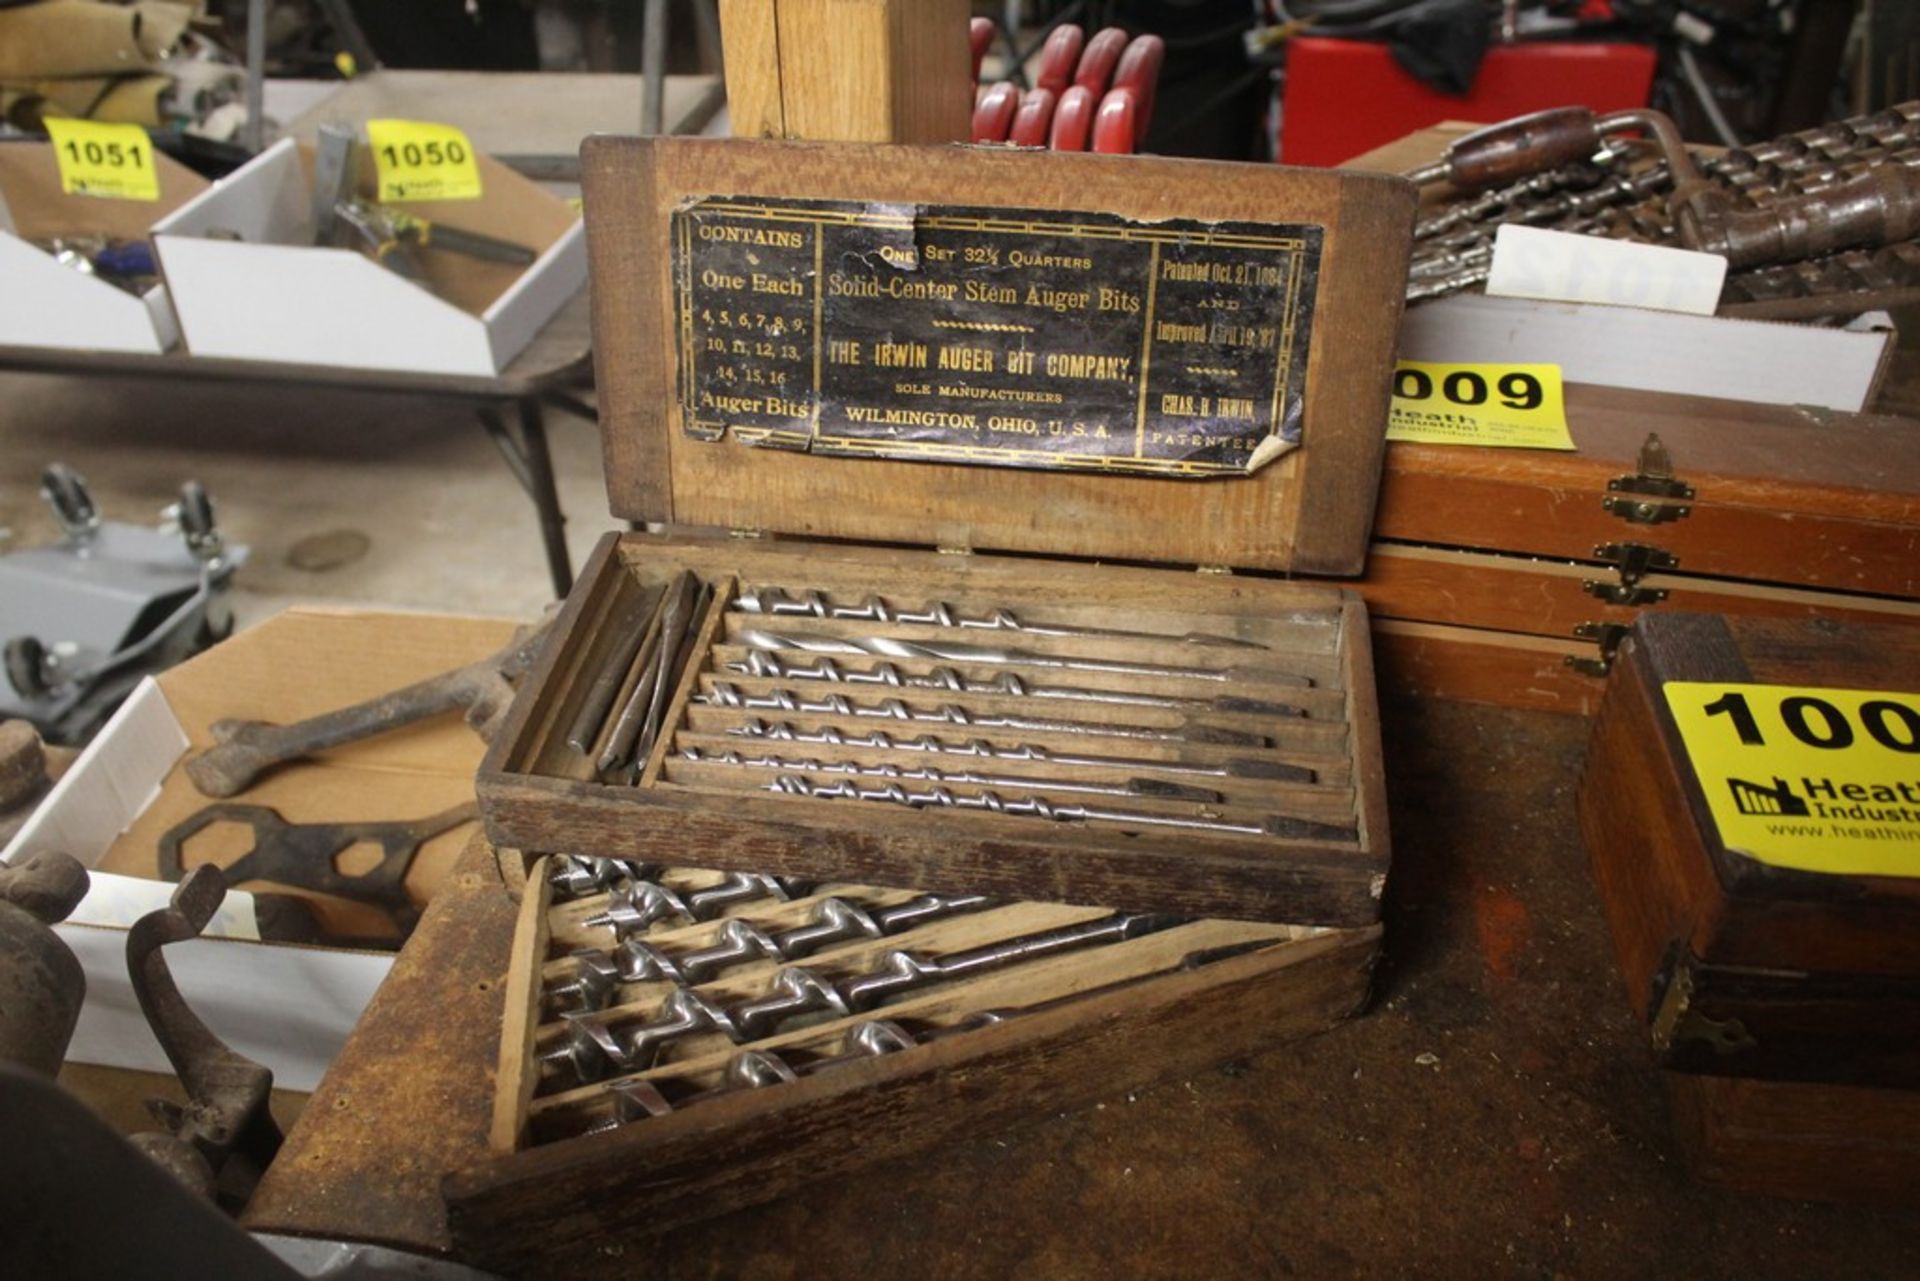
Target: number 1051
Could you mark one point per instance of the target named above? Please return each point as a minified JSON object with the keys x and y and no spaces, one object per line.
{"x":114,"y":155}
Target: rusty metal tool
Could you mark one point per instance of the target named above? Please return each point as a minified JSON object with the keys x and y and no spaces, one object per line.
{"x":635,"y":908}
{"x":1244,"y":767}
{"x":41,"y":982}
{"x":599,"y":972}
{"x":761,"y":663}
{"x":676,"y":653}
{"x":225,"y":1136}
{"x":596,"y":1043}
{"x":630,"y":627}
{"x":247,"y":749}
{"x":961,"y":652}
{"x":729,"y":695}
{"x":636,"y":713}
{"x":305,"y":854}
{"x":1275,"y":825}
{"x":775,"y":601}
{"x":1136,"y":788}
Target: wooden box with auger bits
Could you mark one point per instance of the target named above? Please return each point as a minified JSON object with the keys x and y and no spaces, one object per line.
{"x":845,"y":381}
{"x":887,"y":409}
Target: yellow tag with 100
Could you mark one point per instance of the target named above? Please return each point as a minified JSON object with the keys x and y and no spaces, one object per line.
{"x":1822,"y":780}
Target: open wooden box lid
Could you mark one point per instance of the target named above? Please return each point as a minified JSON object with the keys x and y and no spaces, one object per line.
{"x":1082,"y":319}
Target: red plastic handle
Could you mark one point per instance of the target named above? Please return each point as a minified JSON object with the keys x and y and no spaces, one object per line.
{"x":993,"y":116}
{"x":980,"y":32}
{"x":1116,"y":125}
{"x":1059,"y":56}
{"x":1034,"y":118}
{"x":1098,"y":60}
{"x":1072,"y":120}
{"x":1139,"y":70}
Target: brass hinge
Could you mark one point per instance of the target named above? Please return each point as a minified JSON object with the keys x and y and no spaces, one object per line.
{"x":954,"y":551}
{"x":1651,"y":495}
{"x":1677,"y":1020}
{"x":1213,"y":569}
{"x":1608,"y":636}
{"x":1634,"y":561}
{"x":742,"y":532}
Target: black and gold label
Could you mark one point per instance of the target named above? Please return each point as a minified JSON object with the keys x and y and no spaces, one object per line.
{"x":1007,"y":337}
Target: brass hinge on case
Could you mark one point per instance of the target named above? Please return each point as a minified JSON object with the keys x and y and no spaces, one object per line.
{"x":1648,"y":497}
{"x":1608,"y":636}
{"x":746,"y":533}
{"x":954,"y":551}
{"x":1678,"y":1020}
{"x":1634,"y":561}
{"x":1213,"y":569}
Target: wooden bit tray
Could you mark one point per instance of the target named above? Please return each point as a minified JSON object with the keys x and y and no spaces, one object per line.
{"x":1219,"y":758}
{"x":697,"y":1129}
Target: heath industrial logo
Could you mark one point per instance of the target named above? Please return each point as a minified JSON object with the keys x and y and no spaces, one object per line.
{"x":1822,"y":780}
{"x":1752,"y":798}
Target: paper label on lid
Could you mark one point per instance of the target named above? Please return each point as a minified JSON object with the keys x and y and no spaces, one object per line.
{"x":417,"y":160}
{"x":1492,"y":406}
{"x":107,"y":160}
{"x":1004,"y":337}
{"x":1558,"y":266}
{"x":1819,"y":780}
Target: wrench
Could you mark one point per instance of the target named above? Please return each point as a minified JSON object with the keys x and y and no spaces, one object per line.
{"x":247,"y":749}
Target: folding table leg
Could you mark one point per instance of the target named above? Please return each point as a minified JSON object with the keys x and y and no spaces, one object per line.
{"x":531,"y":464}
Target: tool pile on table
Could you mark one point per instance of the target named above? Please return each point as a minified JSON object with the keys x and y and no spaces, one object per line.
{"x":1052,"y":716}
{"x":1825,"y":222}
{"x":662,"y":988}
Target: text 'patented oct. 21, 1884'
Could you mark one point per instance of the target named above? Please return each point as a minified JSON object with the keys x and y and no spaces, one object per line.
{"x":1004,"y":337}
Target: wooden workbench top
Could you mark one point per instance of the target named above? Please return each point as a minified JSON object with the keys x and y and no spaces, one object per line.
{"x":1495,"y":1114}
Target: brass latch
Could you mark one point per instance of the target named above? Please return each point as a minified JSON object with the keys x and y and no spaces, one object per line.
{"x":1678,"y":1020}
{"x":1648,"y":496}
{"x":1634,"y":561}
{"x":1608,"y":636}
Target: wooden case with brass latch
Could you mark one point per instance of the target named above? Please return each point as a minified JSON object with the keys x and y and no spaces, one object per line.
{"x":1748,"y":964}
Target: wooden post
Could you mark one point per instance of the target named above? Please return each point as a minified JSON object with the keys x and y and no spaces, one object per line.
{"x":848,"y":70}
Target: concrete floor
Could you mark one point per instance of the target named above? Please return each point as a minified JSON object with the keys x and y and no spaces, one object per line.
{"x":447,"y":526}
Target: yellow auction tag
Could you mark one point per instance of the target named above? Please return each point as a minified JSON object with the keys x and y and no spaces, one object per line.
{"x":420,"y":161}
{"x":1497,"y":406}
{"x":114,"y":161}
{"x":1822,"y":780}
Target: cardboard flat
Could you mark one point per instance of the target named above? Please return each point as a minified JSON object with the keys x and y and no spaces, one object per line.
{"x":49,"y":305}
{"x":272,"y":295}
{"x":1758,"y":361}
{"x":289,"y":1007}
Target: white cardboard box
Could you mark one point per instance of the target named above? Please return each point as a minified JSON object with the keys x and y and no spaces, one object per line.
{"x":49,"y":305}
{"x":273,"y":295}
{"x":1664,"y":351}
{"x":289,"y":1007}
